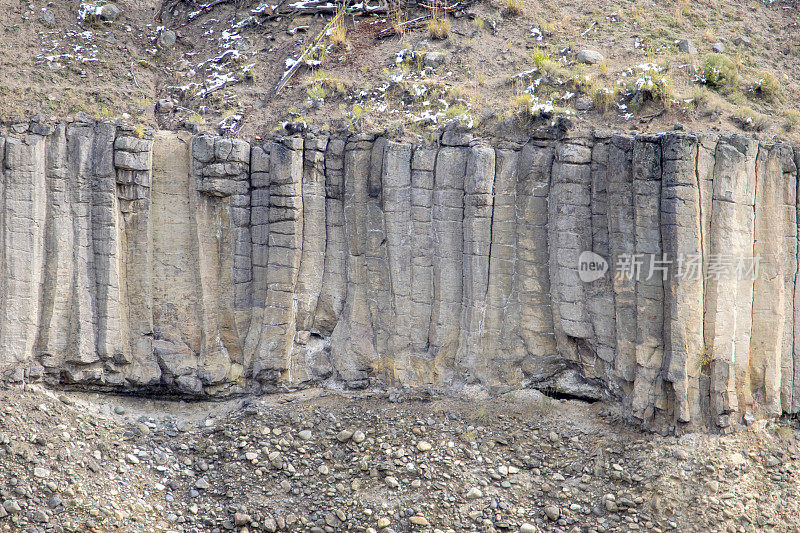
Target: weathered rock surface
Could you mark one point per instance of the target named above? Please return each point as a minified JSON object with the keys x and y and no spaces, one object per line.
{"x":203,"y":265}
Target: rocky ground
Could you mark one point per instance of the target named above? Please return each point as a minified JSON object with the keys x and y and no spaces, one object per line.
{"x":330,"y":461}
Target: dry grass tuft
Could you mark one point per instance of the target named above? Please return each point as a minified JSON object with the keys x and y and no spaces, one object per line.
{"x":515,"y":7}
{"x":339,"y":34}
{"x":439,"y":26}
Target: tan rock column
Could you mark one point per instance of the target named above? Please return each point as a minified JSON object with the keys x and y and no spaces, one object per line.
{"x":133,"y":162}
{"x":729,"y":301}
{"x":23,"y":211}
{"x":275,"y":341}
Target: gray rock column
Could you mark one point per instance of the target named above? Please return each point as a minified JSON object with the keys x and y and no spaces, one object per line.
{"x":353,"y":352}
{"x":501,"y":366}
{"x":422,"y":165}
{"x":647,"y":389}
{"x":275,"y":340}
{"x":312,"y":260}
{"x":396,"y":192}
{"x":448,"y":236}
{"x":570,"y":234}
{"x":622,"y":244}
{"x":477,"y":225}
{"x":532,"y":275}
{"x":334,"y":279}
{"x":682,"y":241}
{"x":600,"y":293}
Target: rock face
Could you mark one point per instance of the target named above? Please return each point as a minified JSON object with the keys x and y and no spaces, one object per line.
{"x":203,"y":265}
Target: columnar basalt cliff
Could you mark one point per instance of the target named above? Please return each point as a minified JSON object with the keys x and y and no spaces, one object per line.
{"x":201,"y":265}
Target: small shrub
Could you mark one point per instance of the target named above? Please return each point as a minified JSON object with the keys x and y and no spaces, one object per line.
{"x":580,"y":82}
{"x":439,"y":27}
{"x":358,"y":112}
{"x":663,"y":90}
{"x":792,"y":117}
{"x":750,"y":120}
{"x":653,"y":85}
{"x":483,"y":415}
{"x":317,"y":92}
{"x":603,"y":67}
{"x":767,"y":87}
{"x":541,"y":59}
{"x":478,"y":22}
{"x":706,"y":357}
{"x":604,"y":99}
{"x":515,"y":7}
{"x":719,"y":72}
{"x":546,"y":405}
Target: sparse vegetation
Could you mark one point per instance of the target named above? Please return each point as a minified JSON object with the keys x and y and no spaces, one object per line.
{"x":439,"y":26}
{"x":792,"y":120}
{"x":654,"y":85}
{"x":750,"y":120}
{"x":514,"y":7}
{"x":720,"y":72}
{"x":706,"y":356}
{"x":338,"y":35}
{"x":767,"y":87}
{"x":604,"y":99}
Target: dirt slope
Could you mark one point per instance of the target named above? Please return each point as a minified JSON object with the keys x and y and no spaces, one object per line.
{"x":496,"y":71}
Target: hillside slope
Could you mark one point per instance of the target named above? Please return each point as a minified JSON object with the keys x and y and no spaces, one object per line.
{"x":503,"y":65}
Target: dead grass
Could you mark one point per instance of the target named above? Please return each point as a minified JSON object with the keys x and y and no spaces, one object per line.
{"x":439,"y":26}
{"x":604,"y":99}
{"x":514,"y":7}
{"x":338,"y":36}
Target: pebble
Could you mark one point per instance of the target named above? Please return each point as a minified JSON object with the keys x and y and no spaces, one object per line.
{"x":687,"y":46}
{"x":474,"y":493}
{"x":590,"y":57}
{"x":424,"y":446}
{"x":552,"y":512}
